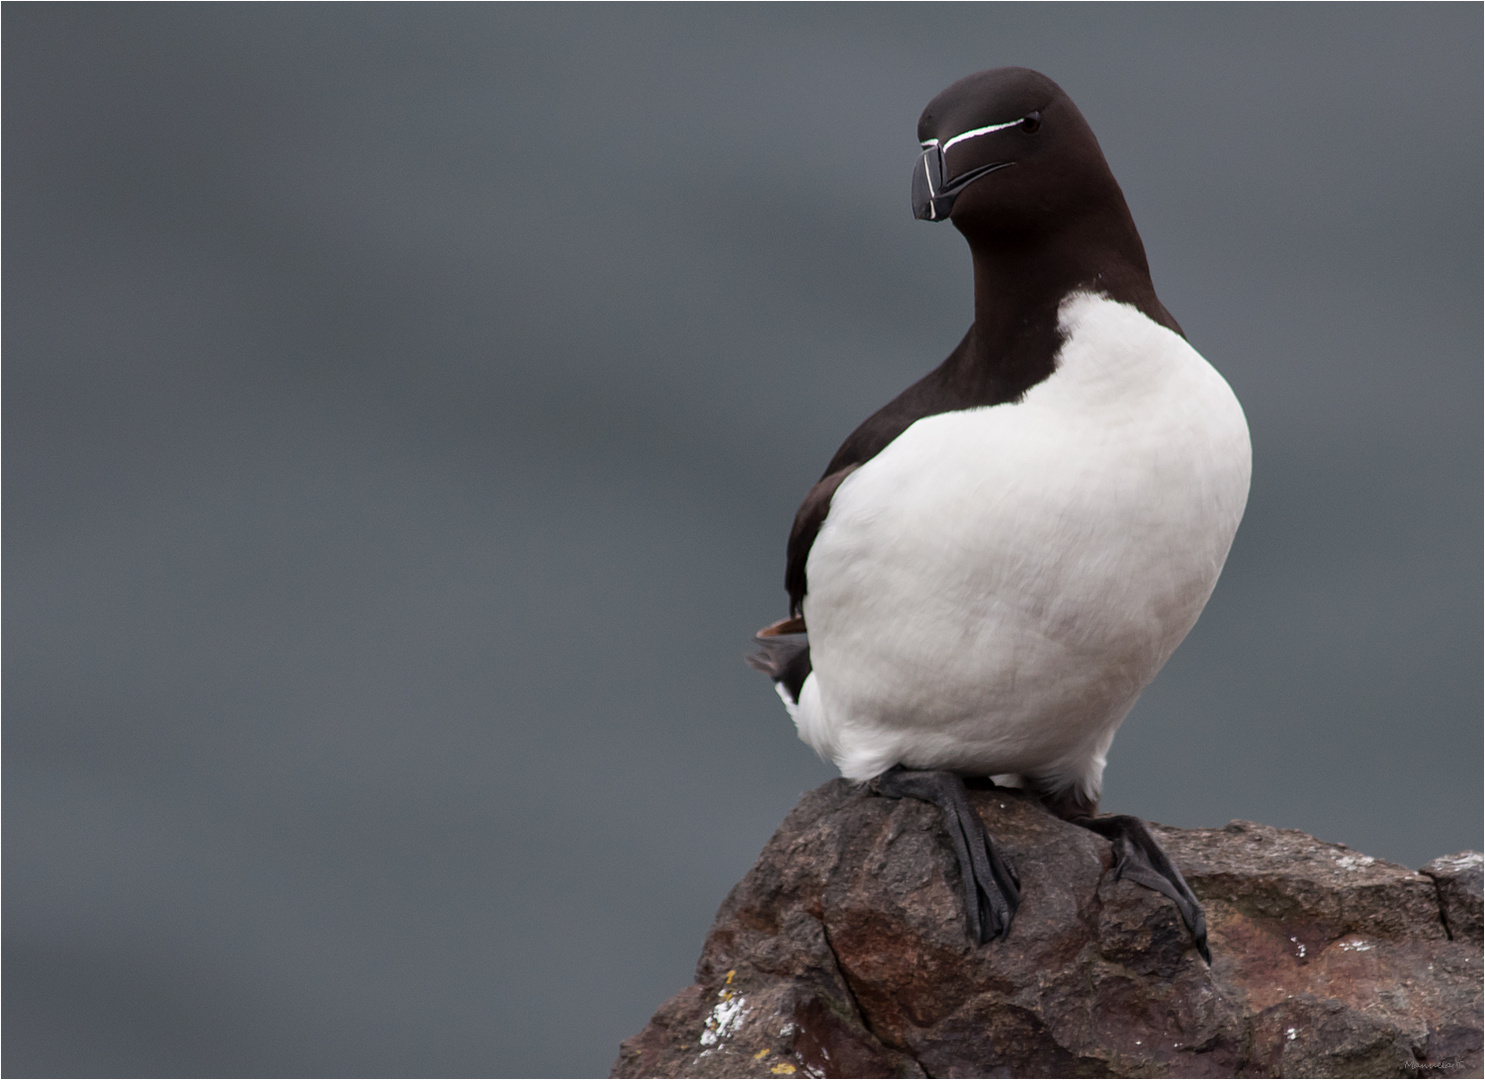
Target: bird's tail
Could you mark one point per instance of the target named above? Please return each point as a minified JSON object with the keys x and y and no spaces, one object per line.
{"x":784,"y":656}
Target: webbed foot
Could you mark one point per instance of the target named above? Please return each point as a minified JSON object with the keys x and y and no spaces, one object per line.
{"x":1140,"y":859}
{"x":991,"y":889}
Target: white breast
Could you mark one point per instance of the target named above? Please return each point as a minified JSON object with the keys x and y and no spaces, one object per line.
{"x":993,"y":591}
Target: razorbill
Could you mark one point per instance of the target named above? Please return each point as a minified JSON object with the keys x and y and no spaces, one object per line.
{"x":998,"y":561}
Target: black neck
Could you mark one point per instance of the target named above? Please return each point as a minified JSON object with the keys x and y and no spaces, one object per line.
{"x":1020,"y":280}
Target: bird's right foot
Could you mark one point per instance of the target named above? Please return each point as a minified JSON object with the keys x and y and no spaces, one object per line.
{"x":991,"y":889}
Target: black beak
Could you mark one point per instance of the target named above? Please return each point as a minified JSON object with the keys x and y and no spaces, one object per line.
{"x":932,"y":198}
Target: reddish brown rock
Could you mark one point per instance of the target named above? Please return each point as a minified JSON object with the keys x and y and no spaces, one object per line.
{"x":844,"y":952}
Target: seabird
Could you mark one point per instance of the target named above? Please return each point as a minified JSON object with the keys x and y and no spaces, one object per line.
{"x":997,"y":562}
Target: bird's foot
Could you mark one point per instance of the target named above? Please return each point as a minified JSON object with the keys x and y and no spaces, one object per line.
{"x":991,"y":889}
{"x":1140,"y":859}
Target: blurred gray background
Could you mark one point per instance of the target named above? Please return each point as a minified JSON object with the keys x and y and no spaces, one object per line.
{"x":405,"y":409}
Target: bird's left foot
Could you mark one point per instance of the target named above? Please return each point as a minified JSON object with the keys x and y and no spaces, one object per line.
{"x":1140,"y":859}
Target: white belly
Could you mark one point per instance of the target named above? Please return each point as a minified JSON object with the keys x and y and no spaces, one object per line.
{"x":993,"y":591}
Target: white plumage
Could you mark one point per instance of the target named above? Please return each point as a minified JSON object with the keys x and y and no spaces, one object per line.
{"x":993,"y":590}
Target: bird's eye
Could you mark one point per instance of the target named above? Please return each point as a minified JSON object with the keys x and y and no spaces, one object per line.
{"x":1031,"y":122}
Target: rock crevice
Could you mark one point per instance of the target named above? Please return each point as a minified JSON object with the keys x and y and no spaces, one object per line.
{"x":843,"y":952}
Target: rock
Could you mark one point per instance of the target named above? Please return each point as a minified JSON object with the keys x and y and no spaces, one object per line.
{"x":844,"y":952}
{"x":1458,"y":878}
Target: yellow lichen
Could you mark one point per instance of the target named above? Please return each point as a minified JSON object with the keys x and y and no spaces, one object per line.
{"x":781,"y":1069}
{"x":761,"y":1054}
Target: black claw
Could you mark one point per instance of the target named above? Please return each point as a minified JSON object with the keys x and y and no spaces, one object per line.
{"x":991,"y":889}
{"x":1140,"y":859}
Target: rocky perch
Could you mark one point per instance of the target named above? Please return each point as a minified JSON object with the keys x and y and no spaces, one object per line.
{"x":843,"y":952}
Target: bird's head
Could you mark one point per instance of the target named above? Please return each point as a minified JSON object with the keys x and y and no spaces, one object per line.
{"x":1005,"y":152}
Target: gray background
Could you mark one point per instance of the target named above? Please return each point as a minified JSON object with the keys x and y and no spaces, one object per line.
{"x":404,"y":414}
